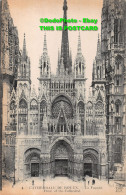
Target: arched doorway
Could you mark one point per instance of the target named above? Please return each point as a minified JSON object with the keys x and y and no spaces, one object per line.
{"x":61,"y":159}
{"x":32,"y":163}
{"x":91,"y":163}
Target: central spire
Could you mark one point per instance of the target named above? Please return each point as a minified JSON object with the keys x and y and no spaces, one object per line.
{"x":65,"y":42}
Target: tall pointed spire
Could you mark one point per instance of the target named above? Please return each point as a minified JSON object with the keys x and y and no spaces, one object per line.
{"x":24,"y":48}
{"x":45,"y":45}
{"x":79,"y":52}
{"x":44,"y":61}
{"x":65,"y":42}
{"x":98,"y":55}
{"x":65,"y":9}
{"x":79,"y":66}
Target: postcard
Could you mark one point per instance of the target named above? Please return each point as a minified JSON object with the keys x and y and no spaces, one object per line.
{"x":63,"y":96}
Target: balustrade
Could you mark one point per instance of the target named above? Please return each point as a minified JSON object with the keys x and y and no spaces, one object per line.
{"x":61,"y":129}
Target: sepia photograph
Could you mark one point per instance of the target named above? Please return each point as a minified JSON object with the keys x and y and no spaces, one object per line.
{"x":63,"y":97}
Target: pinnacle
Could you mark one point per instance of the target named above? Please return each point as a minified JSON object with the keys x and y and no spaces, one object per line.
{"x":45,"y":44}
{"x":24,"y":47}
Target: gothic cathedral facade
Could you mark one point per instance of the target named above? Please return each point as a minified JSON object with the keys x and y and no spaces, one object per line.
{"x":58,"y":131}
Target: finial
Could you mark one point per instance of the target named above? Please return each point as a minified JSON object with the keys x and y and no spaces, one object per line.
{"x":65,"y":5}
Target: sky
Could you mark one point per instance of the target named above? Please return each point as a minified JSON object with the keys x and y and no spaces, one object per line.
{"x":26,"y":16}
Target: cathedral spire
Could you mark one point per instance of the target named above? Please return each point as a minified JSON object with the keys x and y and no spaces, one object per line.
{"x":24,"y":48}
{"x":45,"y":45}
{"x":24,"y":71}
{"x":79,"y":61}
{"x":65,"y":42}
{"x":79,"y":52}
{"x":98,"y":55}
{"x":65,"y":8}
{"x":44,"y":61}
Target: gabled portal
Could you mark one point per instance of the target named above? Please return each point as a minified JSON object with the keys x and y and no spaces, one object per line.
{"x":61,"y":159}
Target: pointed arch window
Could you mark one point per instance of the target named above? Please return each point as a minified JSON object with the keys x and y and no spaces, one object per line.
{"x":44,"y":65}
{"x":118,"y":106}
{"x":23,"y":108}
{"x":98,"y":75}
{"x":13,"y":117}
{"x":99,"y":108}
{"x":81,"y":113}
{"x":118,"y":151}
{"x":117,"y":124}
{"x":118,"y":31}
{"x":23,"y":104}
{"x":119,"y":62}
{"x":43,"y":106}
{"x":43,"y":110}
{"x":34,"y":105}
{"x":81,"y":107}
{"x":76,"y":70}
{"x":117,"y":82}
{"x":80,"y":67}
{"x":24,"y":71}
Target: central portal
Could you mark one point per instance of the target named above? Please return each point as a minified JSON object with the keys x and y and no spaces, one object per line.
{"x":61,"y":167}
{"x":61,"y":159}
{"x":88,"y":169}
{"x":35,"y":170}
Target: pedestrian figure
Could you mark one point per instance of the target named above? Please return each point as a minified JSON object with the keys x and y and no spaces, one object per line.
{"x":84,"y":179}
{"x":33,"y":182}
{"x":93,"y":182}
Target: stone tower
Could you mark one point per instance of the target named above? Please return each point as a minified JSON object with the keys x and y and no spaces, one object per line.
{"x":9,"y":64}
{"x":23,"y":91}
{"x":113,"y":47}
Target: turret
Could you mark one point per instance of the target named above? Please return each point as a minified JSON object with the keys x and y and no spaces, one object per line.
{"x":44,"y":61}
{"x":98,"y":70}
{"x":24,"y":66}
{"x":79,"y":65}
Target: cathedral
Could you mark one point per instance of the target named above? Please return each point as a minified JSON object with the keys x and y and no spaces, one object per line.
{"x":57,"y":132}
